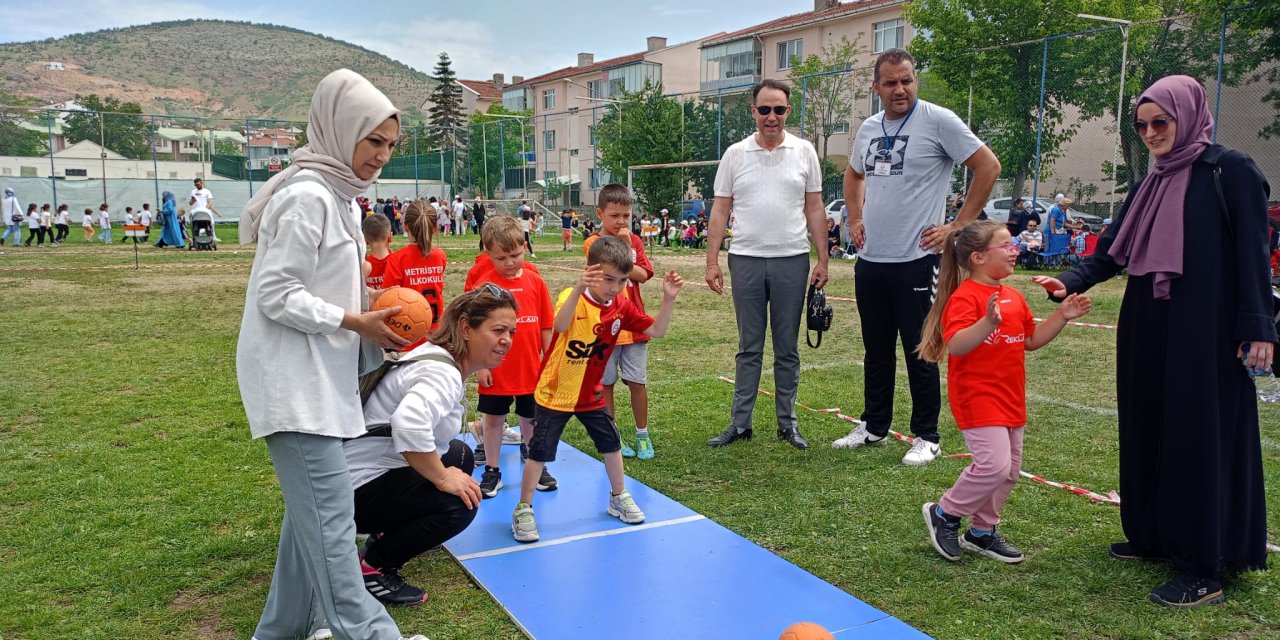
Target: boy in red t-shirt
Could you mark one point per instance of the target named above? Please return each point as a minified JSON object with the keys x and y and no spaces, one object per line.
{"x":985,"y":329}
{"x":377,"y":234}
{"x":419,"y":266}
{"x":514,"y":380}
{"x":632,"y":353}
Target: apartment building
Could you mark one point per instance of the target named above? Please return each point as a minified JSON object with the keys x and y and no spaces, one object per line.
{"x":569,"y":103}
{"x":733,"y":62}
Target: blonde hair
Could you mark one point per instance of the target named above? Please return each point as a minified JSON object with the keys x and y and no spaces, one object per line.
{"x":957,"y":248}
{"x":474,"y":307}
{"x":420,"y":218}
{"x":502,"y":232}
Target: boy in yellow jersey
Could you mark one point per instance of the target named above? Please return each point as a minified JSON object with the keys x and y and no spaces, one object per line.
{"x":587,"y":323}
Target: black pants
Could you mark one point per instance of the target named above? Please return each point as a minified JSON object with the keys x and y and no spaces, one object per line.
{"x":411,"y":513}
{"x":893,"y":300}
{"x":38,"y":231}
{"x":62,"y":233}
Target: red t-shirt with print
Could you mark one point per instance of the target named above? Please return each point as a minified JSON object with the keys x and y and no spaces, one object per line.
{"x":987,"y":387}
{"x":518,"y":373}
{"x":378,"y":266}
{"x":424,"y":274}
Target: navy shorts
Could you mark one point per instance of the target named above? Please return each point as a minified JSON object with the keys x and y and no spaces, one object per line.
{"x":548,"y":425}
{"x":501,"y":405}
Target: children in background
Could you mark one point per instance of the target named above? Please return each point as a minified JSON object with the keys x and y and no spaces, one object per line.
{"x":985,"y":329}
{"x":632,"y":353}
{"x":566,"y":227}
{"x":62,"y":222}
{"x":128,"y":215}
{"x":526,"y":223}
{"x":46,"y":225}
{"x":144,"y":219}
{"x":689,"y":235}
{"x":514,"y":380}
{"x":104,"y":223}
{"x":419,"y":266}
{"x":33,"y":225}
{"x":86,"y":224}
{"x":377,"y":234}
{"x":586,"y":326}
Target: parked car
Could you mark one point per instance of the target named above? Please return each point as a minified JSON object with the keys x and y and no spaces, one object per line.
{"x":833,"y":209}
{"x":691,"y":209}
{"x":1092,"y":221}
{"x":998,"y":208}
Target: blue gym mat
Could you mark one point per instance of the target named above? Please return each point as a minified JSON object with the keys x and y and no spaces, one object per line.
{"x":676,"y":575}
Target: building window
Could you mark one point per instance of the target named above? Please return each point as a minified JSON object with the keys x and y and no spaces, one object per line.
{"x":876,"y":106}
{"x":889,"y":34}
{"x":549,"y":97}
{"x":594,"y":135}
{"x":548,"y":176}
{"x":595,"y":89}
{"x":595,"y":178}
{"x":549,"y":140}
{"x":840,"y":127}
{"x":573,"y":153}
{"x":788,"y":50}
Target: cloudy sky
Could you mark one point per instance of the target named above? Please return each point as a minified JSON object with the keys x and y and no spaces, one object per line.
{"x":482,"y":37}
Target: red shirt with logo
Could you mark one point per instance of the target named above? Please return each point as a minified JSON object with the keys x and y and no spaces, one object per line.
{"x":424,"y":274}
{"x":987,"y":387}
{"x":518,"y":373}
{"x":378,"y":268}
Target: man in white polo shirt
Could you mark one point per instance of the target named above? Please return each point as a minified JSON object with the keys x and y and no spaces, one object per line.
{"x":772,"y":182}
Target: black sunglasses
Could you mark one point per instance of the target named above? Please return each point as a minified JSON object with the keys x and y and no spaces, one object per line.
{"x":497,"y":291}
{"x":1159,"y":125}
{"x":777,"y":110}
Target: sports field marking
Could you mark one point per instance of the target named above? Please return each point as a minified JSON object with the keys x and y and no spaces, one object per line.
{"x":585,"y":536}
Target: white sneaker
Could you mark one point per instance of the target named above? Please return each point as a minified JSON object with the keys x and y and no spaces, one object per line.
{"x":857,"y":438}
{"x":323,"y":633}
{"x":922,"y":452}
{"x":624,"y":508}
{"x":511,"y":435}
{"x":523,"y":528}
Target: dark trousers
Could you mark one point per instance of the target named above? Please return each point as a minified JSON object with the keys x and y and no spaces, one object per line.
{"x":767,"y":292}
{"x":62,"y":233}
{"x":411,"y":513}
{"x":893,"y":300}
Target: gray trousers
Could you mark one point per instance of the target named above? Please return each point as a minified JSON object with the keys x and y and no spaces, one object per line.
{"x":767,"y":291}
{"x":317,"y":573}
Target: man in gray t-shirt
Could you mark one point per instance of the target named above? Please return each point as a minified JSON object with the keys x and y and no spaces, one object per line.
{"x":896,"y":190}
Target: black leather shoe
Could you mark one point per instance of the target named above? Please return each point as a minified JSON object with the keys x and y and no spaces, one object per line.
{"x":729,"y":436}
{"x":792,"y":436}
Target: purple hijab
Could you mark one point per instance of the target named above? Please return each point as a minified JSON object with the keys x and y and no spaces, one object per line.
{"x":1151,"y":238}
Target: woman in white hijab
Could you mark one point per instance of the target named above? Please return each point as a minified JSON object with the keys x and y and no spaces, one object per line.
{"x":297,"y":358}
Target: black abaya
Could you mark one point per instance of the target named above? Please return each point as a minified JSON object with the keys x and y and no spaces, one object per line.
{"x":1191,"y":483}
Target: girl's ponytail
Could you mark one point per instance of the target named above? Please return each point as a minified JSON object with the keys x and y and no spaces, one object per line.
{"x":421,"y":218}
{"x":957,"y":248}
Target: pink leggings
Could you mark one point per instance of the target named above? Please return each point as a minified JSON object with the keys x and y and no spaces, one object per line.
{"x":983,"y":486}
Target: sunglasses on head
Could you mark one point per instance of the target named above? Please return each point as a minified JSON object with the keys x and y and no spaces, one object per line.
{"x":1159,"y":125}
{"x":497,"y":291}
{"x":777,"y":110}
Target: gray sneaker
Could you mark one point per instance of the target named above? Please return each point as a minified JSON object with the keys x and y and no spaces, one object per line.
{"x":624,"y":508}
{"x":523,"y":528}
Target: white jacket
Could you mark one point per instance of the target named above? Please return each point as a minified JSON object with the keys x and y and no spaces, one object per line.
{"x":296,"y":367}
{"x":11,"y":207}
{"x":423,"y":403}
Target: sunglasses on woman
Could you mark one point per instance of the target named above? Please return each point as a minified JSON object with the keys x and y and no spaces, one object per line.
{"x":1159,"y":125}
{"x":498,"y":292}
{"x":777,"y":110}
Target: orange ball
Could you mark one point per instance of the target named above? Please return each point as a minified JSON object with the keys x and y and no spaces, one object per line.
{"x":414,"y":318}
{"x":806,"y":631}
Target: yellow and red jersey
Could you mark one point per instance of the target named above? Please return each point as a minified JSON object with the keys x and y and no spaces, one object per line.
{"x":424,"y":274}
{"x":632,"y":291}
{"x":574,"y":365}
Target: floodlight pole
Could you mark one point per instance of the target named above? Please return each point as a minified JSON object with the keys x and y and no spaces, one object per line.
{"x":1124,"y":58}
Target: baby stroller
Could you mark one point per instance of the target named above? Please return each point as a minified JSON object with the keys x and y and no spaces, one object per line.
{"x":202,"y":238}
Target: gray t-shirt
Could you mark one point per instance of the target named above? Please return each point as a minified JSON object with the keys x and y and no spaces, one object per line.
{"x":901,"y":205}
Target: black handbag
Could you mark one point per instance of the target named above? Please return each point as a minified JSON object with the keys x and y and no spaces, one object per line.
{"x":817,"y":315}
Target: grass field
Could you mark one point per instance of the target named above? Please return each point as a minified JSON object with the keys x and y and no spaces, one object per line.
{"x":135,"y":505}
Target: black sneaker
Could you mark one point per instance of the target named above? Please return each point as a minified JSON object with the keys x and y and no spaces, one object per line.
{"x":992,"y":545}
{"x":490,"y":482}
{"x":546,"y":482}
{"x":390,"y":589}
{"x":944,"y":532}
{"x":1186,"y":591}
{"x":478,"y":455}
{"x":524,"y":452}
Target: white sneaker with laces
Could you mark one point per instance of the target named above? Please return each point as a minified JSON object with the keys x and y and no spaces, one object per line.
{"x":624,"y":508}
{"x":922,"y":452}
{"x":523,"y":527}
{"x":511,"y":435}
{"x":857,"y":438}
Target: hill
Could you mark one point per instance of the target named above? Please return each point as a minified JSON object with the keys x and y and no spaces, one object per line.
{"x":202,"y":67}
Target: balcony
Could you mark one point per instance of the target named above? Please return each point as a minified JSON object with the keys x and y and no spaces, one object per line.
{"x":731,"y":67}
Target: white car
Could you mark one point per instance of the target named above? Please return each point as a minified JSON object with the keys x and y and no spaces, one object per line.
{"x":833,"y":209}
{"x":998,"y":208}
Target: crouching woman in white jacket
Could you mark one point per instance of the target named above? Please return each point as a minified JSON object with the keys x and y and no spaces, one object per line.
{"x":412,"y":476}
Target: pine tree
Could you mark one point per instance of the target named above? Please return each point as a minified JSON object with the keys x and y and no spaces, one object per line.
{"x":446,"y":100}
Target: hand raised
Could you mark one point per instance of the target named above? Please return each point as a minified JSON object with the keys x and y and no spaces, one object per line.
{"x":1053,"y":285}
{"x":1075,"y":305}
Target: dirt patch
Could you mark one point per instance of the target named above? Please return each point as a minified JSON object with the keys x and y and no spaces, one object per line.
{"x":209,"y":625}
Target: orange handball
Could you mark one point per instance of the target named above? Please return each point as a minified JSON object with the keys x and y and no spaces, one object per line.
{"x":414,"y":318}
{"x":806,"y":631}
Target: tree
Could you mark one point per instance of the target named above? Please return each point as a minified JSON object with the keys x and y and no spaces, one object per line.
{"x":821,"y":103}
{"x":710,"y":127}
{"x":495,"y":143}
{"x":446,"y":101}
{"x":645,"y":129}
{"x":14,"y":139}
{"x":225,"y":147}
{"x":117,"y":126}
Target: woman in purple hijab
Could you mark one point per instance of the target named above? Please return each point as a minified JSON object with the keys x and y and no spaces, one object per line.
{"x":1197,"y":311}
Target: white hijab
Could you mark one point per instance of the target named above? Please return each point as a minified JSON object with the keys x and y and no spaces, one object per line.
{"x":344,"y":110}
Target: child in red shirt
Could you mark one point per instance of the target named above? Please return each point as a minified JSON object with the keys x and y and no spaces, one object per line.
{"x":514,"y":380}
{"x":985,"y":329}
{"x":419,"y":266}
{"x":377,"y":234}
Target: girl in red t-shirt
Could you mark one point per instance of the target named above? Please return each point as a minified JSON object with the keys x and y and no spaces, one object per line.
{"x":419,"y":266}
{"x":985,"y":329}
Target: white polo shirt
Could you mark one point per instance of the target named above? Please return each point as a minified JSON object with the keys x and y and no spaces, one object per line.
{"x":768,"y":190}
